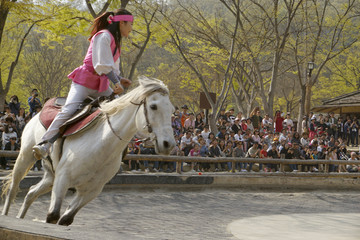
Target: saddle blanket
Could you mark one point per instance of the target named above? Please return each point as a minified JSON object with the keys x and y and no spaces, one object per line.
{"x":51,"y":109}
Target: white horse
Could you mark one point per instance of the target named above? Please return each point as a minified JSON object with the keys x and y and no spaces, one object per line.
{"x":87,"y":161}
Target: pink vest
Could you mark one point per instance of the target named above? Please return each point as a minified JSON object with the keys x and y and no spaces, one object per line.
{"x":86,"y":76}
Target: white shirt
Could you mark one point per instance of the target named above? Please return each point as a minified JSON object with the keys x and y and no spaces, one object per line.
{"x":102,"y":55}
{"x":6,"y":138}
{"x":289,"y":122}
{"x":205,"y":135}
{"x":185,"y":141}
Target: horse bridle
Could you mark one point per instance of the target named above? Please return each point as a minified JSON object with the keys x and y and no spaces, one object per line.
{"x":148,"y":125}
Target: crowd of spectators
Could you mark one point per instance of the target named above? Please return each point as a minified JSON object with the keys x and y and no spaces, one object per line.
{"x":12,"y":123}
{"x":322,"y":137}
{"x":256,"y":136}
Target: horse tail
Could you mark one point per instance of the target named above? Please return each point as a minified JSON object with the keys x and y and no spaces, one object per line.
{"x":7,"y":182}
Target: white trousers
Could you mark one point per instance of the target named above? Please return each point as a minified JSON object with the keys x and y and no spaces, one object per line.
{"x":76,"y":96}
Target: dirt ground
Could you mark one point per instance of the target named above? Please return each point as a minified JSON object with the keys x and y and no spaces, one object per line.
{"x":179,"y":213}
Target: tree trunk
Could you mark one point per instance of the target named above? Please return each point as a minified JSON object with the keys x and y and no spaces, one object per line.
{"x":307,"y":103}
{"x":301,"y":110}
{"x":2,"y":100}
{"x":212,"y":123}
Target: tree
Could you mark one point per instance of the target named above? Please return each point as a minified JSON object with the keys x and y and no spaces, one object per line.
{"x":264,"y":29}
{"x":52,"y":18}
{"x":196,"y":39}
{"x":324,"y":31}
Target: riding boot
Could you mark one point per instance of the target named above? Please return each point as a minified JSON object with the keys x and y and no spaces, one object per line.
{"x":42,"y":150}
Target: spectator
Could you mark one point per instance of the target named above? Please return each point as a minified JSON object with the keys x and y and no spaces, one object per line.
{"x":312,"y":129}
{"x":304,"y":124}
{"x":256,"y":137}
{"x":186,"y":143}
{"x":238,"y":152}
{"x":238,"y":136}
{"x":290,"y":155}
{"x":204,"y":152}
{"x":296,"y":139}
{"x":210,"y":139}
{"x":278,"y":120}
{"x":267,"y":123}
{"x":221,"y":134}
{"x":12,"y":145}
{"x":263,"y":154}
{"x":272,"y":153}
{"x":283,"y":136}
{"x":332,"y":124}
{"x":255,"y":117}
{"x":205,"y":132}
{"x":347,"y":131}
{"x":288,"y":122}
{"x":20,"y":120}
{"x":353,"y":167}
{"x":189,"y":122}
{"x":7,"y":135}
{"x":222,"y":115}
{"x":243,"y":124}
{"x":176,"y":124}
{"x":194,"y":153}
{"x":236,"y":126}
{"x":253,"y":152}
{"x":199,"y":122}
{"x":214,"y":151}
{"x":354,"y":132}
{"x":184,"y":115}
{"x":340,"y":128}
{"x":147,"y":147}
{"x":177,"y":152}
{"x":34,"y":102}
{"x":249,"y":125}
{"x":14,"y":105}
{"x":304,"y":141}
{"x":332,"y":155}
{"x":228,"y":151}
{"x":134,"y":165}
{"x":231,"y":117}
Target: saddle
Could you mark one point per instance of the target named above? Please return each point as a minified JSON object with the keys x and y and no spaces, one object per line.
{"x":85,"y":116}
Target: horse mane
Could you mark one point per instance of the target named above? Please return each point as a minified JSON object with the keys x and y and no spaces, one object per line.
{"x":146,"y":87}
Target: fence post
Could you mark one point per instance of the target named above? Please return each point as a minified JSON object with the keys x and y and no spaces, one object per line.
{"x":233,"y":166}
{"x":178,"y":166}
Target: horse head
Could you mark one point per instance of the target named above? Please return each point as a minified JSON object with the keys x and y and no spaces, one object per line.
{"x":154,"y":117}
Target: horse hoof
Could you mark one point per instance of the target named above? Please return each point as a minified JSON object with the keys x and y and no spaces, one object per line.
{"x":66,"y":220}
{"x":52,"y":218}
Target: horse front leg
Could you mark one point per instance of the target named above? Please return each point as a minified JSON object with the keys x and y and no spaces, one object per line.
{"x":61,"y":184}
{"x":80,"y":200}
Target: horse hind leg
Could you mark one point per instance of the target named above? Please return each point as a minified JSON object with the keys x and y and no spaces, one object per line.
{"x":81,"y":199}
{"x":44,"y":186}
{"x":23,"y":164}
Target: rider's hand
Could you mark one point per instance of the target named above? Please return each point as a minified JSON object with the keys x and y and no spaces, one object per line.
{"x":118,"y":88}
{"x":125,"y":82}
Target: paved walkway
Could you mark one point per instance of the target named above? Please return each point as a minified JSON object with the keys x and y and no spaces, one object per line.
{"x":154,"y":213}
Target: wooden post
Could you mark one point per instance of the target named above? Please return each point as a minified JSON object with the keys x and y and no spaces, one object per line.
{"x":178,"y":167}
{"x":233,"y":166}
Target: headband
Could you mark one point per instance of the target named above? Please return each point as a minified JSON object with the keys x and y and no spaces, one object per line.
{"x":118,"y":18}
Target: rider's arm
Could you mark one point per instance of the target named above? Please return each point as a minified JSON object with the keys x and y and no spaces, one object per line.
{"x":102,"y":55}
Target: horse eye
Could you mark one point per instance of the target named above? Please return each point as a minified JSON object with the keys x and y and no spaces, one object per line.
{"x":153,"y":107}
